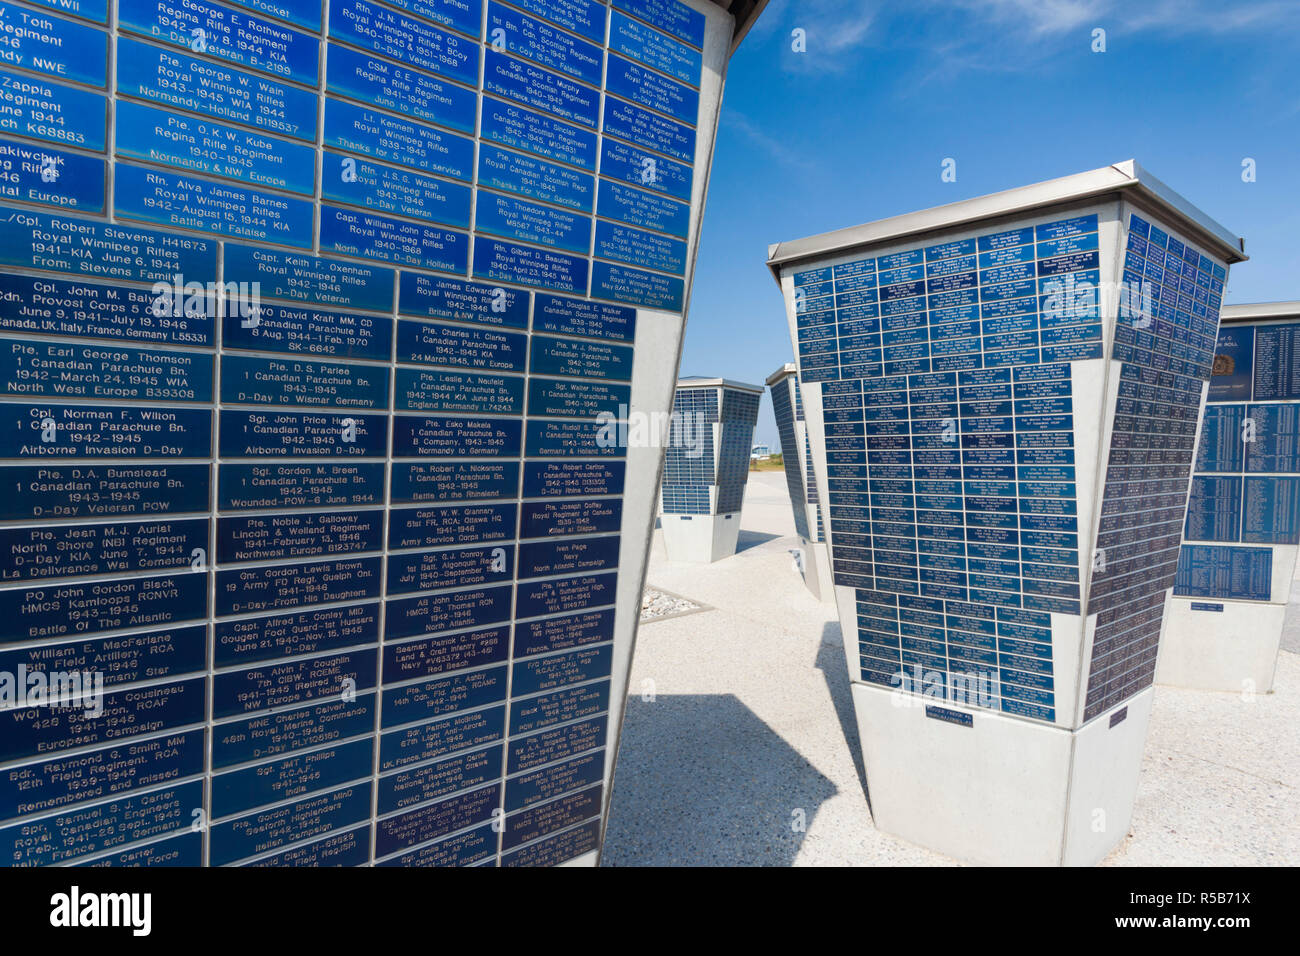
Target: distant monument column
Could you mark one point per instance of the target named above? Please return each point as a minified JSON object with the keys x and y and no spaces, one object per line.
{"x":1238,"y":560}
{"x":1002,"y":398}
{"x":706,"y":467}
{"x":796,"y":454}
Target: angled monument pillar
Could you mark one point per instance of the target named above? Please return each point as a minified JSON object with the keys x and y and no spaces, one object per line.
{"x":1002,"y":397}
{"x":1238,"y":561}
{"x":307,"y":331}
{"x":706,"y":467}
{"x":796,"y":454}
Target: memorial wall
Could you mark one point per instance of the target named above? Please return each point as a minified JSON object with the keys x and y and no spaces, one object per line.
{"x":801,"y":480}
{"x":706,"y":467}
{"x":307,"y":315}
{"x":1003,"y":397}
{"x":1237,"y":563}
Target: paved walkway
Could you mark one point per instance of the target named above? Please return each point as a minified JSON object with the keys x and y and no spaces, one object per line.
{"x":740,"y":722}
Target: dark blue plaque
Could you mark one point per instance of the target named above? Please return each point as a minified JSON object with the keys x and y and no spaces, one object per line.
{"x":279,"y":586}
{"x":297,"y":681}
{"x":174,"y":79}
{"x":408,"y":40}
{"x":454,"y":481}
{"x":278,"y":732}
{"x":62,"y":48}
{"x":637,"y":287}
{"x":445,"y":652}
{"x":241,"y":790}
{"x":430,"y":613}
{"x":50,"y":111}
{"x":302,"y":434}
{"x":580,"y":359}
{"x":537,"y":133}
{"x":536,"y":178}
{"x":246,"y":380}
{"x":540,"y":89}
{"x":459,"y":567}
{"x":429,"y":390}
{"x":297,"y":535}
{"x":536,"y":40}
{"x":368,"y":236}
{"x":509,"y":262}
{"x":301,"y":484}
{"x":671,"y":16}
{"x":639,"y":126}
{"x":97,"y":431}
{"x":428,"y":782}
{"x":109,"y":373}
{"x":643,"y":209}
{"x":361,"y":183}
{"x":72,"y":491}
{"x":451,"y":524}
{"x":636,"y":166}
{"x":306,"y":330}
{"x":285,"y":275}
{"x":564,"y":316}
{"x":435,"y":297}
{"x":400,"y":89}
{"x":61,"y":551}
{"x":202,"y":146}
{"x":362,"y":130}
{"x":245,"y":640}
{"x":631,"y":81}
{"x":90,"y":247}
{"x":634,"y":39}
{"x":626,"y":244}
{"x":445,"y":695}
{"x":52,"y":177}
{"x":544,"y":479}
{"x":271,"y":829}
{"x":454,"y":436}
{"x":536,"y":598}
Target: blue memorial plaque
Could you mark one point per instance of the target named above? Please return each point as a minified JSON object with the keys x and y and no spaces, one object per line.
{"x":174,"y":79}
{"x":559,"y":707}
{"x":96,"y":431}
{"x":463,"y":15}
{"x":540,"y":89}
{"x":1233,"y":368}
{"x":634,"y":39}
{"x":577,"y":439}
{"x":245,"y":640}
{"x":349,"y":848}
{"x":300,"y":485}
{"x":280,"y":586}
{"x":529,"y":222}
{"x":1276,"y":351}
{"x":372,"y":133}
{"x":268,"y":735}
{"x":462,"y":567}
{"x":455,"y":524}
{"x":285,"y":275}
{"x":77,"y":491}
{"x":430,"y":781}
{"x":302,"y":13}
{"x":296,"y":681}
{"x":215,"y":149}
{"x":290,"y":822}
{"x":536,"y":178}
{"x":435,"y":820}
{"x":445,"y":695}
{"x":525,"y":36}
{"x":368,"y":236}
{"x":437,"y":297}
{"x":639,"y":126}
{"x":556,"y":849}
{"x":445,"y":436}
{"x":408,"y":40}
{"x":454,"y":481}
{"x":297,"y":535}
{"x":537,"y":598}
{"x":409,"y":92}
{"x":637,"y":287}
{"x":71,"y":370}
{"x":360,"y":183}
{"x":306,"y":330}
{"x":125,"y":713}
{"x":51,"y":177}
{"x":90,"y":247}
{"x":61,"y":551}
{"x":580,"y":359}
{"x":230,"y":35}
{"x":183,"y":850}
{"x":537,"y":133}
{"x":671,"y":16}
{"x":439,"y":391}
{"x":563,"y":316}
{"x":186,"y":202}
{"x":1271,"y":511}
{"x":577,"y":399}
{"x":544,"y":519}
{"x":247,"y":434}
{"x":643,"y":209}
{"x":548,"y":746}
{"x":630,"y":81}
{"x":463,"y":849}
{"x":62,"y":48}
{"x":121,"y":659}
{"x":528,"y":825}
{"x":1220,"y":571}
{"x":96,"y":10}
{"x":445,"y":652}
{"x":439,"y":737}
{"x":544,"y":479}
{"x":570,"y":556}
{"x":97,"y":774}
{"x":641,"y":248}
{"x":431,"y":613}
{"x":48,"y":306}
{"x":50,"y":111}
{"x":509,"y":262}
{"x":246,"y":380}
{"x":583,"y":17}
{"x":135,"y":817}
{"x":240,"y":790}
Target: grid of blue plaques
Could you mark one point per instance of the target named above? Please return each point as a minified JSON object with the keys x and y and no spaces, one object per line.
{"x":1246,"y":481}
{"x":703,"y":476}
{"x":783,"y":407}
{"x":328,"y":517}
{"x":947,"y":407}
{"x":1165,"y":348}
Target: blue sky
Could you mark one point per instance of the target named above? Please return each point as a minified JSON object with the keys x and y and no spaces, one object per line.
{"x":855,"y":129}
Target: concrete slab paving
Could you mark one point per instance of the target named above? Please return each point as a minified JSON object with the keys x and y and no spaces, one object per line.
{"x":740,"y":746}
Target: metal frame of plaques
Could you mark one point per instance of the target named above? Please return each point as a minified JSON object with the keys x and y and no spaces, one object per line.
{"x":801,"y":481}
{"x":311,"y":315}
{"x":1002,"y":396}
{"x":1236,"y":567}
{"x":706,"y":468}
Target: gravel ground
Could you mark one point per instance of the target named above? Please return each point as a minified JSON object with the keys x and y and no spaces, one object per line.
{"x":751,"y":734}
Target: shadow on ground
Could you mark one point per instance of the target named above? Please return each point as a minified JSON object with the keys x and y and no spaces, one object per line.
{"x":752,"y":539}
{"x":830,"y":661}
{"x":711,"y":785}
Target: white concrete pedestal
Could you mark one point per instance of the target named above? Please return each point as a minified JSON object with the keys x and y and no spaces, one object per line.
{"x":817,"y":570}
{"x":1233,"y":649}
{"x":700,"y":539}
